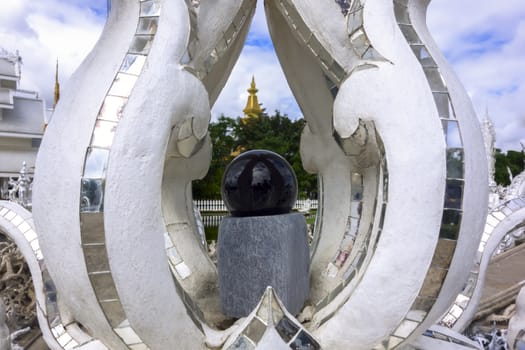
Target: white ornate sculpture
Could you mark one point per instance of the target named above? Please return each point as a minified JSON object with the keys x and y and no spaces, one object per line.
{"x":390,"y":132}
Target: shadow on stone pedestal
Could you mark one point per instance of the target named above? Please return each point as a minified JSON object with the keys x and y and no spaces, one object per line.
{"x":261,"y":251}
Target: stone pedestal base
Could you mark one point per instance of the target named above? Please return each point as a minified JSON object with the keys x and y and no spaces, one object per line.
{"x":260,"y":251}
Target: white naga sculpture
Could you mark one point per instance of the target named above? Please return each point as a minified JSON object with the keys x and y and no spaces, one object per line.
{"x":390,"y":132}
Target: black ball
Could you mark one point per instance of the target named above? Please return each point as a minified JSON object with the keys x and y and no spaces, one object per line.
{"x":259,"y":183}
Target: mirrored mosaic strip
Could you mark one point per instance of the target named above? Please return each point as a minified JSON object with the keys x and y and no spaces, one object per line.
{"x":225,"y":43}
{"x":440,"y":336}
{"x":357,"y":34}
{"x":319,"y":217}
{"x":493,"y":220}
{"x":50,"y":308}
{"x":349,"y":270}
{"x":270,"y":313}
{"x":345,"y":6}
{"x":452,"y":209}
{"x":332,"y":68}
{"x":92,"y":186}
{"x":180,"y":271}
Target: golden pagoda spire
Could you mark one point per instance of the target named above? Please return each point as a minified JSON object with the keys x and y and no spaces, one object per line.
{"x":57,"y":87}
{"x":252,"y":109}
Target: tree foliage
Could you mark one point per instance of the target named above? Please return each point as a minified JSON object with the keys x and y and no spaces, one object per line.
{"x":513,"y":161}
{"x":231,"y":137}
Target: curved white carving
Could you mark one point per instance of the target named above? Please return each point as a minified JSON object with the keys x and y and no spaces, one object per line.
{"x":17,"y":223}
{"x":506,"y":218}
{"x":132,"y":135}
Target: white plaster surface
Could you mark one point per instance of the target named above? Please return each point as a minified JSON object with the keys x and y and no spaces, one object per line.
{"x":56,"y":188}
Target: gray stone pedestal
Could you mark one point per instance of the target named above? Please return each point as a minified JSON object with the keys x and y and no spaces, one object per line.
{"x":260,"y":251}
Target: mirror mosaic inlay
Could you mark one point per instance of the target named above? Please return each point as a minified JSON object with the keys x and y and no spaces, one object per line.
{"x":332,"y":68}
{"x":357,"y":244}
{"x":94,"y":174}
{"x":453,"y":198}
{"x":50,"y":307}
{"x":463,"y":299}
{"x":271,"y":314}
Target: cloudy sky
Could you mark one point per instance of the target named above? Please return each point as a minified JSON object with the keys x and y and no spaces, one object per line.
{"x":484,"y":40}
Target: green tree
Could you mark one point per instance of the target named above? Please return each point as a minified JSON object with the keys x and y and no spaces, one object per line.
{"x":231,"y":137}
{"x":512,"y":160}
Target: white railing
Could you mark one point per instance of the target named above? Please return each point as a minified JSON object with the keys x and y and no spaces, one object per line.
{"x":208,"y":205}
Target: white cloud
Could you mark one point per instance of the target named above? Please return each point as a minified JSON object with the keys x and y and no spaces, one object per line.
{"x":484,"y":40}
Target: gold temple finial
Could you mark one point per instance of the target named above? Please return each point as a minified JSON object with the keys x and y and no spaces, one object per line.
{"x":57,"y":87}
{"x":252,"y":109}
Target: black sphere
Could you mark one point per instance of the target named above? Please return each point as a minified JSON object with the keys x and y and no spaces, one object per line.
{"x":259,"y":183}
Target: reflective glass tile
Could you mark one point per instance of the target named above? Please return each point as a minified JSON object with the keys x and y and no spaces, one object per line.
{"x":349,"y":274}
{"x":435,"y":79}
{"x":360,"y":42}
{"x":512,"y":205}
{"x":139,"y":347}
{"x":423,"y":304}
{"x":150,"y":8}
{"x":394,"y":341}
{"x":443,"y":105}
{"x":383,"y":214}
{"x":92,"y":228}
{"x":499,"y":215}
{"x":321,"y":303}
{"x":452,"y":134}
{"x":416,"y":315}
{"x":141,"y":44}
{"x":114,"y":312}
{"x":450,"y":224}
{"x":183,"y":270}
{"x":356,"y":187}
{"x":355,"y":21}
{"x":148,"y":25}
{"x":406,"y":328}
{"x":173,"y":256}
{"x":3,"y":211}
{"x":302,"y":29}
{"x":493,"y":221}
{"x":453,"y":194}
{"x":304,"y":342}
{"x":338,"y":71}
{"x":112,"y":108}
{"x":64,"y":339}
{"x":277,"y":312}
{"x":221,"y":47}
{"x":443,"y":254}
{"x":96,"y":161}
{"x":401,"y":13}
{"x":96,"y":258}
{"x":128,"y":335}
{"x":10,"y":215}
{"x":229,"y":33}
{"x":122,"y":85}
{"x":239,"y":19}
{"x":433,"y":282}
{"x":242,"y":343}
{"x":17,"y":220}
{"x":263,"y":311}
{"x":24,"y":227}
{"x":133,"y":64}
{"x":423,"y":56}
{"x":315,"y":45}
{"x":35,"y":245}
{"x":455,"y":163}
{"x":103,"y":134}
{"x":92,"y":195}
{"x":410,"y":34}
{"x":255,"y":330}
{"x":104,"y":286}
